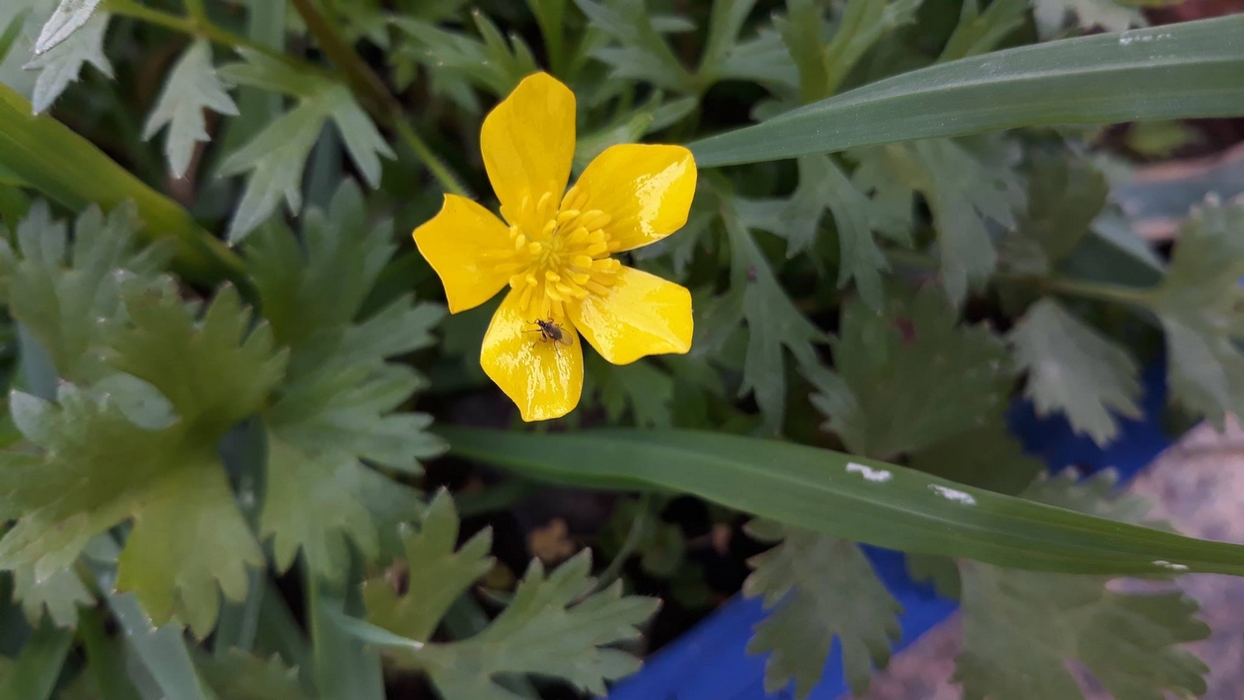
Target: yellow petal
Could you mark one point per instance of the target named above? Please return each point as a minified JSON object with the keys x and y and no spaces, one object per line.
{"x":455,"y":241}
{"x":528,"y":142}
{"x":646,"y":190}
{"x":544,"y":378}
{"x":641,"y":315}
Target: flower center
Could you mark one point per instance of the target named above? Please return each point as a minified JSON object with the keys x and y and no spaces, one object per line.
{"x":563,"y":261}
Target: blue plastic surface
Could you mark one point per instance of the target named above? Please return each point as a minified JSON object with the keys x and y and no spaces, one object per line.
{"x":710,"y":662}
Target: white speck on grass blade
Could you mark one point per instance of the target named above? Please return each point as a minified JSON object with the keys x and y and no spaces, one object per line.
{"x":1168,"y":565}
{"x":953,"y":494}
{"x":879,"y":476}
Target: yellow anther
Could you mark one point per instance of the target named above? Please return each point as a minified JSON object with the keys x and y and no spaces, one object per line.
{"x":552,"y":276}
{"x":520,"y":241}
{"x":583,"y":261}
{"x":566,"y":215}
{"x":595,"y":219}
{"x":545,"y":200}
{"x":534,"y":247}
{"x":597,"y":249}
{"x":571,"y":200}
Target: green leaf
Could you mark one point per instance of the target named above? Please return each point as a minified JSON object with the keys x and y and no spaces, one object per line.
{"x":980,"y":32}
{"x":344,"y":668}
{"x":910,"y":377}
{"x":987,"y":457}
{"x":1176,"y":71}
{"x":69,"y":17}
{"x":823,"y":185}
{"x":772,"y":319}
{"x":1198,"y":306}
{"x":1021,"y":629}
{"x":98,"y":468}
{"x":191,"y":87}
{"x":491,"y":64}
{"x":822,"y":587}
{"x":60,"y":64}
{"x":106,"y":676}
{"x":175,"y":556}
{"x":647,"y":391}
{"x":1064,"y":197}
{"x":322,"y":283}
{"x":277,"y":155}
{"x":56,"y":161}
{"x":642,"y":53}
{"x":240,"y":676}
{"x":964,"y":193}
{"x":824,"y":67}
{"x":554,"y":626}
{"x":33,"y":676}
{"x":722,"y":47}
{"x":59,"y":594}
{"x":215,"y":370}
{"x":65,"y":306}
{"x":339,"y":403}
{"x":161,"y":650}
{"x":434,"y":577}
{"x":831,"y":493}
{"x":1051,"y":15}
{"x":1074,"y":369}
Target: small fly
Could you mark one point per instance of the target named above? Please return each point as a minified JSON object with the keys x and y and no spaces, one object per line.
{"x":550,"y":332}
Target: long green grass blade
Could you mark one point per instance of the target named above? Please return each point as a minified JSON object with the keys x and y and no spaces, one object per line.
{"x":1174,"y":71}
{"x":847,"y":496}
{"x":34,"y":674}
{"x":49,"y":157}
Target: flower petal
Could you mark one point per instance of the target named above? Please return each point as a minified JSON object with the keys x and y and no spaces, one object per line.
{"x":456,"y":243}
{"x":645,"y":189}
{"x":528,"y":142}
{"x":641,"y":315}
{"x":543,"y":377}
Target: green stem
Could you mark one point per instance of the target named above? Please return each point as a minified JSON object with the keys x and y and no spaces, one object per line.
{"x":638,"y":526}
{"x":195,"y":9}
{"x":1111,"y":293}
{"x":372,"y":93}
{"x":196,"y":26}
{"x":442,"y":173}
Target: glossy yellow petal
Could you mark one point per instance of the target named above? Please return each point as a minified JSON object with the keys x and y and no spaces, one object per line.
{"x":464,"y":243}
{"x":528,"y":142}
{"x":645,"y":189}
{"x":640,"y":315}
{"x":542,"y":376}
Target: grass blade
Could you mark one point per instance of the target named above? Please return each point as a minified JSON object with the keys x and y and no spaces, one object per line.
{"x":847,"y":496}
{"x":49,"y":157}
{"x":1169,"y":72}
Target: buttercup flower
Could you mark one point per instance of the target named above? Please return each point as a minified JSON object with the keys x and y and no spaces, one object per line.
{"x":555,"y":252}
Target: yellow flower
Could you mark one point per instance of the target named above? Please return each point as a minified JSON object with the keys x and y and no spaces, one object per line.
{"x":555,"y":251}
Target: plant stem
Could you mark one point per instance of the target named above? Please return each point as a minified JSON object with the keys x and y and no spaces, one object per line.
{"x":372,"y":92}
{"x":196,"y":10}
{"x":638,"y":526}
{"x":196,"y":26}
{"x":1111,"y":293}
{"x":374,"y":96}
